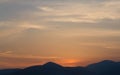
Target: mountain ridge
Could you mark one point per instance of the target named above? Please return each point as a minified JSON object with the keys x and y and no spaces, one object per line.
{"x":106,"y":67}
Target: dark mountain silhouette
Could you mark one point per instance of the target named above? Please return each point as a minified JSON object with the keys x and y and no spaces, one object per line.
{"x":46,"y":69}
{"x":79,"y":71}
{"x":8,"y":71}
{"x":51,"y":68}
{"x":105,"y":67}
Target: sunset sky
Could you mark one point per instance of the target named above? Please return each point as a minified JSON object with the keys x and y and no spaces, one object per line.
{"x":68,"y":32}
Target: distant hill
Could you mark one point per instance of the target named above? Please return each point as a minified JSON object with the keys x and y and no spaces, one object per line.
{"x":106,"y":67}
{"x":8,"y":71}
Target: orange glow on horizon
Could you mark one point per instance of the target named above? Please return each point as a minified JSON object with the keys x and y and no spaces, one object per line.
{"x":68,"y":62}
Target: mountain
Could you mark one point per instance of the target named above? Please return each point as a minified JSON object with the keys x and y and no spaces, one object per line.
{"x":78,"y":71}
{"x":8,"y":71}
{"x":106,"y":67}
{"x":51,"y":68}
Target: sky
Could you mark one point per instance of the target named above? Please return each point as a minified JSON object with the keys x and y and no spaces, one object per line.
{"x":68,"y":32}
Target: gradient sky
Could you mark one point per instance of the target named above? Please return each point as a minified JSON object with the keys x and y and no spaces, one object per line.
{"x":69,"y":32}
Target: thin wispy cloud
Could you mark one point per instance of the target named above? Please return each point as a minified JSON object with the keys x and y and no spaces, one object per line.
{"x":59,"y":28}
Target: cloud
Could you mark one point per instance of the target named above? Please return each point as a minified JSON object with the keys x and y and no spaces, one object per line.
{"x":28,"y":26}
{"x":9,"y":28}
{"x":51,"y":27}
{"x":85,"y":12}
{"x":46,"y":9}
{"x":4,"y":53}
{"x":57,"y":11}
{"x":8,"y":59}
{"x":23,"y":9}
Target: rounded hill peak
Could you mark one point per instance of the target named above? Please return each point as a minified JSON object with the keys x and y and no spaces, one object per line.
{"x":51,"y":64}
